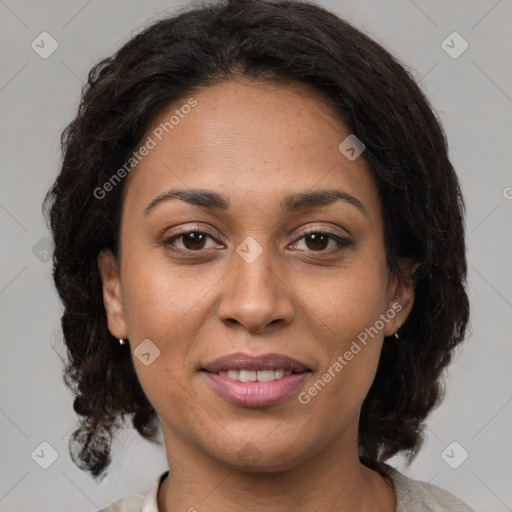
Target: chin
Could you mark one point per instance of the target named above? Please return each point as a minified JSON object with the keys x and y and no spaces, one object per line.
{"x":260,"y":456}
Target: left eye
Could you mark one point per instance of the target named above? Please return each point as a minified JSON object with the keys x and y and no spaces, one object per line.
{"x":191,"y":240}
{"x":317,"y":241}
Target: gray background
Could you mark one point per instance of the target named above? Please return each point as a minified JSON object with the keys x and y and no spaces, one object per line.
{"x":38,"y":97}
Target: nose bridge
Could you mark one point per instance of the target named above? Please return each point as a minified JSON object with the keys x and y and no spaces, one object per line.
{"x":254,"y":268}
{"x":254,"y":262}
{"x":254,"y":294}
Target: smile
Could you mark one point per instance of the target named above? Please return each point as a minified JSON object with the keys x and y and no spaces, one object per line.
{"x":253,"y":376}
{"x":255,"y":381}
{"x":256,"y":393}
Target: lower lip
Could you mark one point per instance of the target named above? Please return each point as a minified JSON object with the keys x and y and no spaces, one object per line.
{"x":256,"y":394}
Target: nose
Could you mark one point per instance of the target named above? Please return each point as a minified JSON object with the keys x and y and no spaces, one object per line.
{"x":256,"y":293}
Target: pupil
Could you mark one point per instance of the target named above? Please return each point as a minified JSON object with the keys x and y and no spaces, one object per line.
{"x":194,"y":238}
{"x":316,"y":238}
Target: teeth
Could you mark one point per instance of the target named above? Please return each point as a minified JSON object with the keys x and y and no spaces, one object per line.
{"x":278,"y":374}
{"x":266,"y":375}
{"x":247,"y":376}
{"x":253,"y":376}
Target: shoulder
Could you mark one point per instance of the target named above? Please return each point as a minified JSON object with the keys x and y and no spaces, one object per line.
{"x":412,"y":496}
{"x":416,"y":496}
{"x":138,"y":502}
{"x":132,"y":503}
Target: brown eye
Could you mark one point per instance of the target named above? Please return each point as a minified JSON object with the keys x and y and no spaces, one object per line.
{"x":194,"y":241}
{"x":190,"y":240}
{"x":318,"y":241}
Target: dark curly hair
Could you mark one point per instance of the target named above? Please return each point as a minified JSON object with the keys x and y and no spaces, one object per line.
{"x":406,"y":149}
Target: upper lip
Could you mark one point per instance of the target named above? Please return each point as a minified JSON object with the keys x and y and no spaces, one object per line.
{"x":241,"y":361}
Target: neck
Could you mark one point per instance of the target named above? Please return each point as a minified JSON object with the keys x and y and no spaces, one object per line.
{"x":333,"y":480}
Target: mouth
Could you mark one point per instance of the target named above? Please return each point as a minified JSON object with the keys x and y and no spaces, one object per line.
{"x":255,"y":381}
{"x":262,"y":363}
{"x":256,"y":376}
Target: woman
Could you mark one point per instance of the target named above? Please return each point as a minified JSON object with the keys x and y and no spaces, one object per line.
{"x":259,"y":245}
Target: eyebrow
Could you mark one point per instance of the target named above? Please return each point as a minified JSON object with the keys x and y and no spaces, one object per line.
{"x":210,"y":200}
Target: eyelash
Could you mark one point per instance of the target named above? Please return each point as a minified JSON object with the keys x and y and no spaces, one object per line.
{"x":342,"y":242}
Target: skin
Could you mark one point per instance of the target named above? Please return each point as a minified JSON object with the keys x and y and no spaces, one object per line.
{"x":255,"y":143}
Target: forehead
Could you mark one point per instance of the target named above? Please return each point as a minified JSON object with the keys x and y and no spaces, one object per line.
{"x":253,"y":141}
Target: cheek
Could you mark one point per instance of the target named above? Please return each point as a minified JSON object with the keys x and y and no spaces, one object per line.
{"x":343,"y":318}
{"x":157,"y":298}
{"x":167,"y":306}
{"x":342,"y":306}
{"x":159,"y":307}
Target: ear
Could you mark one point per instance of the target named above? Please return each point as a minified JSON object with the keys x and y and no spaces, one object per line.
{"x":400,"y":295}
{"x":109,"y":273}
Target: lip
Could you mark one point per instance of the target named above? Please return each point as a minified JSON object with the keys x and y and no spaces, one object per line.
{"x":255,"y":394}
{"x":242,"y":361}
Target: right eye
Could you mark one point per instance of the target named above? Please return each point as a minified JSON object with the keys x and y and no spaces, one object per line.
{"x":192,"y":240}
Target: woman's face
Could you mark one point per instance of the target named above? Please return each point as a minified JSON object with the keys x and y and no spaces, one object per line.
{"x":259,"y":288}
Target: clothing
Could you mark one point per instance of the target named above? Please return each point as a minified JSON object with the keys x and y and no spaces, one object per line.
{"x":411,"y":495}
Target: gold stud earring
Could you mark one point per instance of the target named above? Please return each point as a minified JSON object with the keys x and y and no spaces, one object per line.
{"x":396,"y":333}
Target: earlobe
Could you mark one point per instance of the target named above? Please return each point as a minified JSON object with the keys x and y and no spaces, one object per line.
{"x":109,"y":272}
